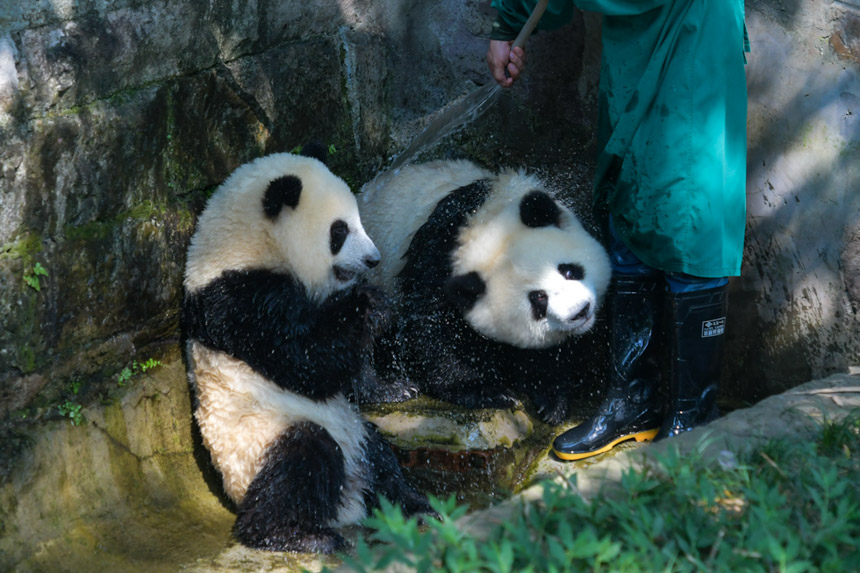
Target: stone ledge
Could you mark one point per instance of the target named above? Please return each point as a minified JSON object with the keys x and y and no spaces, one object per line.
{"x":794,"y":413}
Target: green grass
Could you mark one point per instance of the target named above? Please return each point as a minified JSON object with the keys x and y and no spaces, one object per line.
{"x":787,"y":507}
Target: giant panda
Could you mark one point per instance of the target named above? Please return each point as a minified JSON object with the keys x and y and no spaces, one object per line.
{"x":274,"y":323}
{"x":496,"y":282}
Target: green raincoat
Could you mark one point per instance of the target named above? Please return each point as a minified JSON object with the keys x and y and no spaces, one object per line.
{"x":672,"y":126}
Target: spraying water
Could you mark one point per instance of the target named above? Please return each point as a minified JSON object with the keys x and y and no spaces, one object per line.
{"x":462,"y":112}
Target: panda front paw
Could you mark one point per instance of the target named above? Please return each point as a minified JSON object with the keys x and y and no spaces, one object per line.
{"x":386,"y":392}
{"x":374,"y":307}
{"x":369,"y":388}
{"x":475,"y":400}
{"x":499,"y":401}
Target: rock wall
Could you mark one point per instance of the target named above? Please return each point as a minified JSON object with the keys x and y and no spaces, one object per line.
{"x":797,"y":303}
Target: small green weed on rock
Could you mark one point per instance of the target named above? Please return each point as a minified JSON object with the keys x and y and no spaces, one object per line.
{"x":72,"y":410}
{"x":129,"y":372}
{"x":32,"y":279}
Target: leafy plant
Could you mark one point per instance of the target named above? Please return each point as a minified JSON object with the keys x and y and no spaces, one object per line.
{"x":150,"y":363}
{"x":32,"y":280}
{"x":789,"y":506}
{"x":125,"y":375}
{"x":73,"y":411}
{"x":136,"y":368}
{"x":837,"y":436}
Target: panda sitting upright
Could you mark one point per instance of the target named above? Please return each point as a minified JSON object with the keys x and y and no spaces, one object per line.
{"x":274,"y":330}
{"x":495,"y":280}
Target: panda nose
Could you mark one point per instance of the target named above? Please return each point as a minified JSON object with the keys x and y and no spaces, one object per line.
{"x":371,"y":262}
{"x":583,"y":313}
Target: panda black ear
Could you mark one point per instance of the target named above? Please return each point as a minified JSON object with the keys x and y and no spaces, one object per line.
{"x":463,"y":291}
{"x":316,"y":150}
{"x":282,"y":191}
{"x":537,"y":209}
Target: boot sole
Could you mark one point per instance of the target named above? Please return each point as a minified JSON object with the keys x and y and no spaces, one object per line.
{"x":645,"y":436}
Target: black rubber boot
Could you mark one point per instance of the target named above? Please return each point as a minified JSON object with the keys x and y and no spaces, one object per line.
{"x":631,"y":409}
{"x":698,"y":335}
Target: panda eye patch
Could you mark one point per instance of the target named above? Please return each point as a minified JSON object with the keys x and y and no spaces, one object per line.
{"x":539,"y":301}
{"x":537,"y":209}
{"x":337,"y":235}
{"x":571,"y":271}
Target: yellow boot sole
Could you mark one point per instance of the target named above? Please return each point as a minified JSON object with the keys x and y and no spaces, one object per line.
{"x":638,"y":436}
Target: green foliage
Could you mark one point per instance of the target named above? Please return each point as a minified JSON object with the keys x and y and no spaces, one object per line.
{"x":32,"y":280}
{"x":150,"y":363}
{"x":73,"y":411}
{"x":788,"y":506}
{"x":129,"y":372}
{"x":70,"y":408}
{"x":837,"y":436}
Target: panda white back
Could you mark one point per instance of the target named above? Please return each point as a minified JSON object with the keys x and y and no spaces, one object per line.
{"x":395,"y":205}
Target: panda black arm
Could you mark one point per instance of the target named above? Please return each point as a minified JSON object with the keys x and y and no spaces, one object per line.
{"x":431,"y":326}
{"x":266,"y":320}
{"x":447,"y":358}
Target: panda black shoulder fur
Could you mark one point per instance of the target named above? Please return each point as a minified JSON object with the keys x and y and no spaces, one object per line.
{"x":494,"y":277}
{"x":274,"y":327}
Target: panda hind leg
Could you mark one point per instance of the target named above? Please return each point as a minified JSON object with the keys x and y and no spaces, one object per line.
{"x":294,"y":496}
{"x":388,"y":478}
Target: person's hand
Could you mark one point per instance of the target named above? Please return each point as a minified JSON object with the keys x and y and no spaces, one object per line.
{"x":501,"y":57}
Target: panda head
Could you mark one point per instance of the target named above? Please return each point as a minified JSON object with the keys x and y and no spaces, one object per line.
{"x":285,"y":213}
{"x":526,"y":272}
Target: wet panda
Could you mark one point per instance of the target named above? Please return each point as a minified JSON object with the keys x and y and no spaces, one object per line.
{"x":274,"y":324}
{"x":495,"y":280}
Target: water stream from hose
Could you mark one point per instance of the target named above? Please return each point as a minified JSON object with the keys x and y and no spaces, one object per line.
{"x":456,"y":115}
{"x":460,"y":113}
